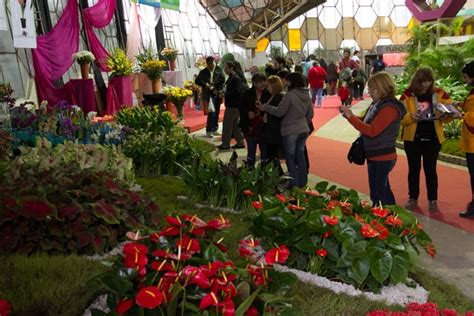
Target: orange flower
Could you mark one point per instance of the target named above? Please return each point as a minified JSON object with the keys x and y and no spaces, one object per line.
{"x":431,"y":250}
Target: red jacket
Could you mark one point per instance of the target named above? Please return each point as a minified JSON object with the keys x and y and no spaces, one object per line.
{"x":316,"y":76}
{"x":343,"y":93}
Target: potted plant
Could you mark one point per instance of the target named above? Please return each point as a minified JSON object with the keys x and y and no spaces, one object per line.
{"x":84,"y":58}
{"x":153,"y":69}
{"x":119,"y":64}
{"x":119,"y":92}
{"x":170,"y":55}
{"x":177,"y":96}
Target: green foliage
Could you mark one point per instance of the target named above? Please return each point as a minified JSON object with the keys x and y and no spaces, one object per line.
{"x":149,"y":53}
{"x":455,"y":89}
{"x":69,"y":199}
{"x":452,"y":130}
{"x":446,"y":61}
{"x":48,"y":285}
{"x":366,"y":247}
{"x":222,"y":184}
{"x":275,"y":51}
{"x":401,"y":83}
{"x":119,"y":64}
{"x":227,"y":57}
{"x":451,"y":147}
{"x":146,"y":119}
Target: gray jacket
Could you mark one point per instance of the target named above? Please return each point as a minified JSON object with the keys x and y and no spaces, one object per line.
{"x":296,"y":111}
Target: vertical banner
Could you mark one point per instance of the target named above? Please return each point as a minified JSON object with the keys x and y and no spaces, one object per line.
{"x":3,"y":16}
{"x":170,"y":4}
{"x":23,"y":24}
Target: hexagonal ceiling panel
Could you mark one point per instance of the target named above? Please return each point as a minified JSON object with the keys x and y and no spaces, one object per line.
{"x":400,"y":16}
{"x":256,"y":4}
{"x":231,"y":3}
{"x":241,"y":13}
{"x":365,"y":17}
{"x":383,"y":7}
{"x":219,"y":12}
{"x":329,"y":17}
{"x":228,"y":25}
{"x":312,"y":45}
{"x":366,"y":2}
{"x":208,"y":3}
{"x":350,"y":43}
{"x":296,"y":23}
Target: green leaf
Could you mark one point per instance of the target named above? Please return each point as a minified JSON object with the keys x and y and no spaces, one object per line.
{"x":269,"y":298}
{"x":358,"y":249}
{"x":380,"y":266}
{"x":306,"y":245}
{"x":332,"y":249}
{"x":175,"y":294}
{"x":394,"y":242}
{"x":361,"y":269}
{"x":114,"y":283}
{"x":240,"y":311}
{"x":107,"y":212}
{"x":281,"y":282}
{"x":212,"y":253}
{"x":399,"y":271}
{"x":322,"y":186}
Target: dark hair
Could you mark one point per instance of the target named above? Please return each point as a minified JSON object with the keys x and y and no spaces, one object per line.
{"x":356,"y":52}
{"x":311,"y":57}
{"x":230,"y":64}
{"x":468,"y":69}
{"x":209,"y":59}
{"x":299,"y":68}
{"x":238,"y":70}
{"x":280,"y":60}
{"x":269,"y":71}
{"x":296,"y":80}
{"x":346,"y":50}
{"x":421,"y":75}
{"x":315,"y":63}
{"x":283,"y":73}
{"x":258,"y":77}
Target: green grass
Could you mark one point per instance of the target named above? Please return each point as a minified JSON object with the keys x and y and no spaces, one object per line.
{"x":451,"y":147}
{"x":44,"y":285}
{"x":164,"y":189}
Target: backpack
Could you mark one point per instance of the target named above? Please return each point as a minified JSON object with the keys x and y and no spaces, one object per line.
{"x":379,"y":65}
{"x":346,"y":74}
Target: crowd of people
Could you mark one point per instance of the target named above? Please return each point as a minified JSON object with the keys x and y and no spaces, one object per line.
{"x":275,"y":114}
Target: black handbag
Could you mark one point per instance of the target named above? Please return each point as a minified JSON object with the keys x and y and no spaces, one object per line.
{"x":357,"y":153}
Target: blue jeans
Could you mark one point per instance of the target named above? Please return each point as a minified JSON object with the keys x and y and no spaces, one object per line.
{"x":380,"y":191}
{"x":295,"y":159}
{"x":317,"y":93}
{"x":251,"y":150}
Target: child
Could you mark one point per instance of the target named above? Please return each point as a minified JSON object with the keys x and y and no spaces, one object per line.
{"x":344,"y":93}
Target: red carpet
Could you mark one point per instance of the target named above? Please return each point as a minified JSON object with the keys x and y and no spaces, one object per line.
{"x":328,"y":160}
{"x":196,"y":120}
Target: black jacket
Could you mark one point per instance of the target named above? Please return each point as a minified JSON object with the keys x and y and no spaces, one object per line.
{"x":271,"y":129}
{"x":233,"y":91}
{"x":204,"y":77}
{"x":247,"y":104}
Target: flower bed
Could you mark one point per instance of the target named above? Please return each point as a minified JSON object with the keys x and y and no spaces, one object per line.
{"x":183,"y":269}
{"x":415,"y":309}
{"x":332,"y":233}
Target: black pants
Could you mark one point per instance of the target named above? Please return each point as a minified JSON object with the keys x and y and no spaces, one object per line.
{"x":212,"y":124}
{"x":428,"y":151}
{"x":470,"y":167}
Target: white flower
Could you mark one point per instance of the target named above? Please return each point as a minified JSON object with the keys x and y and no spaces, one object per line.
{"x":84,"y":56}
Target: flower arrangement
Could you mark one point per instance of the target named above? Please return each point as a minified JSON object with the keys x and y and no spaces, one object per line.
{"x":5,"y":90}
{"x":147,"y":54}
{"x":177,"y":96}
{"x":83,"y":57}
{"x":200,"y":62}
{"x":169,"y":53}
{"x":190,"y":85}
{"x":119,"y":64}
{"x":184,"y":270}
{"x":333,"y":234}
{"x":153,"y":68}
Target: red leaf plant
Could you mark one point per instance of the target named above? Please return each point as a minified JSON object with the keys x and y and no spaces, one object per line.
{"x":5,"y":308}
{"x":178,"y":272}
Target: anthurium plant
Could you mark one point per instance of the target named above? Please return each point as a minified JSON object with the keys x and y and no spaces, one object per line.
{"x":184,"y":270}
{"x":332,"y":233}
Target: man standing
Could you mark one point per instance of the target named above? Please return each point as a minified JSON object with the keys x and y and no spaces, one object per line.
{"x":316,"y":77}
{"x":378,"y":65}
{"x":346,"y":65}
{"x":233,"y":91}
{"x":211,"y":80}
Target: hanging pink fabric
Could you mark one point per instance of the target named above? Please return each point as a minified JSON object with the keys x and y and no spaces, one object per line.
{"x":119,"y":94}
{"x":53,"y":56}
{"x":98,"y":16}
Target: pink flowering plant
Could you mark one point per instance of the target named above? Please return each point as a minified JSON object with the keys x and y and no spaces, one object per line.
{"x":183,"y":269}
{"x":416,"y":309}
{"x":331,"y":232}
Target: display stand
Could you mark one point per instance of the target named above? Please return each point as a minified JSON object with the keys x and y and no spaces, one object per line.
{"x":119,"y":94}
{"x":173,"y":78}
{"x":84,"y":94}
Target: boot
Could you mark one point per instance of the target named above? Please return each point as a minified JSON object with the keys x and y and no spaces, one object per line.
{"x":469,"y":212}
{"x":411,"y":204}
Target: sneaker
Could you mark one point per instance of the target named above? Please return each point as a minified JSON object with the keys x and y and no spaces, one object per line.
{"x":209,"y":135}
{"x":221,"y":147}
{"x":216,"y":133}
{"x":411,"y":204}
{"x":238,"y":146}
{"x":433,"y":206}
{"x":469,"y":212}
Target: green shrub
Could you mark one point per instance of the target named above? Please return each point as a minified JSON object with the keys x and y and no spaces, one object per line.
{"x":146,"y":119}
{"x":332,"y":233}
{"x":451,"y":147}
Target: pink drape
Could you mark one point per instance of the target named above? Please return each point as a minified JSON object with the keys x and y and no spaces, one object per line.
{"x":119,"y":94}
{"x":98,"y":16}
{"x":53,"y":55}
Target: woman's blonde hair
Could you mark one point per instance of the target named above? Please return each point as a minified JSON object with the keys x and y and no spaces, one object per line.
{"x":384,"y":84}
{"x":276,"y":84}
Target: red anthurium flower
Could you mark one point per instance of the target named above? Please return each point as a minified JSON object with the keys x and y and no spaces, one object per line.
{"x":247,"y":247}
{"x":420,"y":227}
{"x":312,"y":192}
{"x":218,"y":223}
{"x":175,"y":221}
{"x":228,"y":307}
{"x":281,"y":197}
{"x":322,"y":252}
{"x":135,"y":236}
{"x":380,"y":212}
{"x":258,"y":274}
{"x":330,"y":220}
{"x":393,"y":221}
{"x":221,"y":246}
{"x":248,"y":193}
{"x":431,"y":250}
{"x":170,"y":231}
{"x":122,"y":307}
{"x":407,"y":231}
{"x":277,"y":255}
{"x":230,"y":291}
{"x":332,"y":204}
{"x":135,"y":255}
{"x":160,"y":253}
{"x":293,"y":207}
{"x":257,"y":205}
{"x":382,"y":230}
{"x":196,"y":231}
{"x":197,"y":276}
{"x":359,"y":218}
{"x":193,"y":219}
{"x":155,"y":237}
{"x":190,"y":245}
{"x":5,"y":308}
{"x":134,"y":247}
{"x":149,"y":297}
{"x":327,"y":234}
{"x":252,"y":311}
{"x":209,"y":300}
{"x":368,"y":231}
{"x":161,"y":266}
